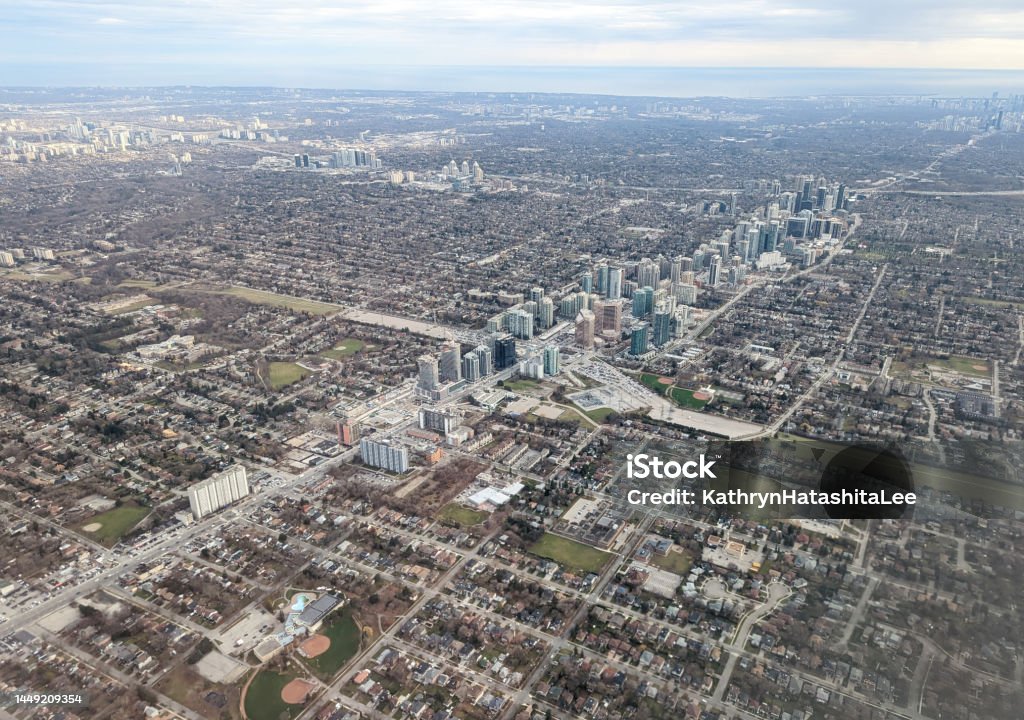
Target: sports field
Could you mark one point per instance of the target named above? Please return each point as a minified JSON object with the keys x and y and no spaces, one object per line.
{"x":346,"y":348}
{"x":343,"y":632}
{"x":108,"y":527}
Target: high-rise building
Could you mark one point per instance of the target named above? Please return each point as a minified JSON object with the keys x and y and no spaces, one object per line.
{"x":442,"y":421}
{"x":587,"y":283}
{"x":686,"y":293}
{"x":536,"y":294}
{"x":218,"y":491}
{"x":638,"y":340}
{"x":552,"y":360}
{"x":520,"y":324}
{"x":381,"y":454}
{"x":486,"y":355}
{"x":602,"y":279}
{"x":608,"y":317}
{"x":643,"y":302}
{"x":429,"y":374}
{"x":585,"y":328}
{"x":504,"y":352}
{"x":471,"y":366}
{"x":647,"y":273}
{"x":546,"y":314}
{"x":614,"y":283}
{"x":662,"y":326}
{"x":715,"y":271}
{"x":451,"y":362}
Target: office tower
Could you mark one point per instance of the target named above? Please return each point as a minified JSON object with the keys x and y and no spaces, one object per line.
{"x":486,"y":355}
{"x":614,"y":283}
{"x":662,"y":326}
{"x":638,"y":340}
{"x":587,"y":283}
{"x":504,"y":352}
{"x":547,"y":313}
{"x":742,"y":250}
{"x":305,"y":160}
{"x":738,"y":233}
{"x":429,"y":374}
{"x":698,"y":259}
{"x":714,"y":272}
{"x":451,"y":362}
{"x":737,"y":274}
{"x":602,"y":279}
{"x":628,"y":288}
{"x":585,"y":329}
{"x":381,"y":454}
{"x":552,"y":360}
{"x":471,"y":366}
{"x":643,"y":302}
{"x":647,"y":273}
{"x":520,"y":324}
{"x":218,"y":491}
{"x":298,"y":160}
{"x":608,"y":317}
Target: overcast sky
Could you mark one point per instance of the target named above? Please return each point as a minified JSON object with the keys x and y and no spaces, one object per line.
{"x":244,"y":41}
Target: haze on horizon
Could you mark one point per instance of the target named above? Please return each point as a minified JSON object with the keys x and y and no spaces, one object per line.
{"x":458,"y":45}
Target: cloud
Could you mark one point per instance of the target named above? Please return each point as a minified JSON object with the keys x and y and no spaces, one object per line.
{"x":271,"y":35}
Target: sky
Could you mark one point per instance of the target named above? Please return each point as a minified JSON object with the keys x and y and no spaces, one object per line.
{"x":262,"y":42}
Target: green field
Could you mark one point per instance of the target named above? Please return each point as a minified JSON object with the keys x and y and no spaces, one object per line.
{"x":972,"y":300}
{"x":598,"y":415}
{"x":572,"y":555}
{"x":283,"y":374}
{"x":347,"y":348}
{"x":464,"y":516}
{"x":965,"y":365}
{"x":680,"y":396}
{"x":344,"y":635}
{"x":132,"y":307}
{"x":521,"y":384}
{"x":676,"y":562}
{"x":262,"y":297}
{"x":263,"y":698}
{"x":114,"y":523}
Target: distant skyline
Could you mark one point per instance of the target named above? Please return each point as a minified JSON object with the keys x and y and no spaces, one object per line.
{"x":258,"y":42}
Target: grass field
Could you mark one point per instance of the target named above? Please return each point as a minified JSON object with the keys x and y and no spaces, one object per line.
{"x":283,"y":374}
{"x":680,"y":396}
{"x":971,"y":300}
{"x":676,"y":562}
{"x":464,"y":516}
{"x":115,"y":523}
{"x":598,"y":415}
{"x":59,"y":275}
{"x":347,"y":348}
{"x":344,"y":634}
{"x":263,"y":698}
{"x":965,"y":365}
{"x":572,"y":555}
{"x":132,"y":307}
{"x":262,"y":297}
{"x":521,"y":384}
